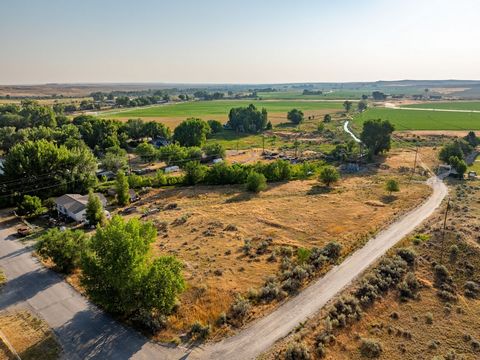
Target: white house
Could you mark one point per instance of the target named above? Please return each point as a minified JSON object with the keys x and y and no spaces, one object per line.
{"x":75,"y":205}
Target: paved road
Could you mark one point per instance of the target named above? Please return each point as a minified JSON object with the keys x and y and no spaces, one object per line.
{"x":395,"y":106}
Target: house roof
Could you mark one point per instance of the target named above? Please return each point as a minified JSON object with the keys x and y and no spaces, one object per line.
{"x":76,"y":203}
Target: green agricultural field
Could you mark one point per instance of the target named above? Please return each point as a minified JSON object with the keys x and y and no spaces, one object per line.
{"x":217,"y":109}
{"x":422,"y":119}
{"x":451,"y":105}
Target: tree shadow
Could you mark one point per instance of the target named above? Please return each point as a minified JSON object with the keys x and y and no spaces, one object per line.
{"x":388,"y":199}
{"x":319,"y":189}
{"x":27,"y":286}
{"x":244,"y":196}
{"x":92,"y":334}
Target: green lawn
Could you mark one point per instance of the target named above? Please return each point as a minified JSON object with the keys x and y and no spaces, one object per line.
{"x":218,"y":107}
{"x":451,"y":105}
{"x":422,"y":120}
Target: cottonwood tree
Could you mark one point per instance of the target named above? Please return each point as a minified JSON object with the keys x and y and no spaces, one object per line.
{"x":295,"y":116}
{"x":376,"y":135}
{"x":191,"y":132}
{"x":121,"y":274}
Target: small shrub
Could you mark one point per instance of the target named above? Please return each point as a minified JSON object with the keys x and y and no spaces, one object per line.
{"x":303,"y":255}
{"x":409,"y":287}
{"x":256,"y":182}
{"x":472,"y":290}
{"x":199,"y":331}
{"x":453,"y":254}
{"x":370,"y":348}
{"x":392,"y":186}
{"x":429,"y":318}
{"x":329,"y":175}
{"x":332,"y":250}
{"x":297,"y":351}
{"x":441,"y":275}
{"x":408,"y":255}
{"x":239,"y":308}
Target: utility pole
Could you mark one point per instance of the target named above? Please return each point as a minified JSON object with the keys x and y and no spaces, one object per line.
{"x":444,"y":228}
{"x":263,"y":144}
{"x":415,"y":163}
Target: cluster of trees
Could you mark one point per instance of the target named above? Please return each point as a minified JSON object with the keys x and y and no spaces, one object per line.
{"x":205,"y":95}
{"x":44,"y":168}
{"x":225,"y":174}
{"x":119,"y":271}
{"x":312,"y":92}
{"x":32,"y":121}
{"x":126,"y":101}
{"x":175,"y":154}
{"x":454,"y":153}
{"x":378,"y":95}
{"x":247,"y":119}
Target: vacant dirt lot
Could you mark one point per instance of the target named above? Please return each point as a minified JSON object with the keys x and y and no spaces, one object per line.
{"x":428,"y":326}
{"x":207,"y":227}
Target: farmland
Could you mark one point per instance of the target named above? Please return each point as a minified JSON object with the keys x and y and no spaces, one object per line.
{"x":218,"y":110}
{"x":421,"y":120}
{"x":453,"y":105}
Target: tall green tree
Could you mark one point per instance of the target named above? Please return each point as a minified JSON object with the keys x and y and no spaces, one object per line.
{"x":122,"y":187}
{"x":376,"y":135}
{"x":295,"y":116}
{"x":115,"y":159}
{"x":120,"y":273}
{"x":30,"y":206}
{"x":191,"y":132}
{"x":95,"y":213}
{"x":347,"y":105}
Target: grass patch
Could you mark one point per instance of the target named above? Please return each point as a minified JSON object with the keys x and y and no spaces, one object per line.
{"x":451,"y":105}
{"x":421,"y":120}
{"x":216,"y":109}
{"x":29,"y":336}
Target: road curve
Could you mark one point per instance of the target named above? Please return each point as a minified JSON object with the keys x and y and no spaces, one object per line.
{"x":85,"y":332}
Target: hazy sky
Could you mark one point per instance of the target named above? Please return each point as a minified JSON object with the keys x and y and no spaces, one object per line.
{"x":246,"y":41}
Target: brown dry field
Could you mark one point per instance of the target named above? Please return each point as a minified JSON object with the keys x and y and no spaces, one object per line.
{"x":449,"y":133}
{"x":275,"y":117}
{"x":31,"y":338}
{"x":296,"y":214}
{"x":47,"y":101}
{"x":450,"y":323}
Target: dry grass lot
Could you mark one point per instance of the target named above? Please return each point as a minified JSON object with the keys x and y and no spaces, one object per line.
{"x":31,"y":338}
{"x":436,"y":328}
{"x":210,"y":225}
